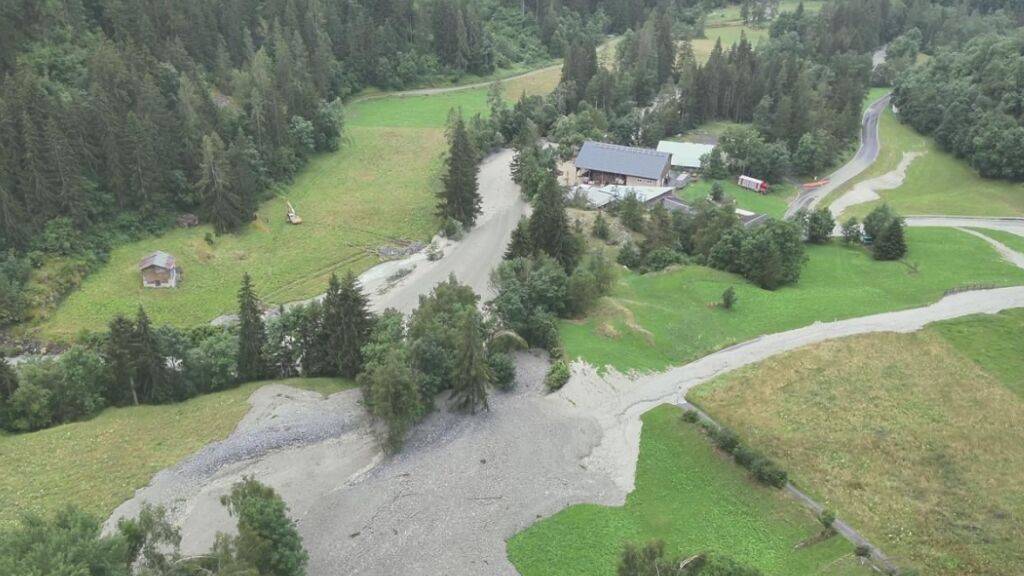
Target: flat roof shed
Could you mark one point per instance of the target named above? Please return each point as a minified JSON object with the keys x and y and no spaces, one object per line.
{"x":685,"y":154}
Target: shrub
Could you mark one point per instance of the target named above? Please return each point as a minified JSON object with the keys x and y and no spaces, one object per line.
{"x":629,"y":256}
{"x":851,"y":231}
{"x":503,"y":370}
{"x":725,"y":439}
{"x":862,"y":551}
{"x":745,"y":456}
{"x":582,"y":291}
{"x":768,"y":472}
{"x":557,"y":375}
{"x":819,"y":226}
{"x":661,"y":258}
{"x":827,"y":517}
{"x":29,"y":408}
{"x":690,"y":416}
{"x":600,"y":229}
{"x":452,"y":229}
{"x":729,"y":298}
{"x":717,"y":193}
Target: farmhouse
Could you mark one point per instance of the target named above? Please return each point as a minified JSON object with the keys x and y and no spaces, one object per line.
{"x":601,"y":163}
{"x":685,"y":155}
{"x":159,"y":270}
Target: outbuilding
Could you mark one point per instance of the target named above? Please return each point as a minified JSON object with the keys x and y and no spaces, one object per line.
{"x":685,"y":155}
{"x":159,"y":270}
{"x":601,"y":163}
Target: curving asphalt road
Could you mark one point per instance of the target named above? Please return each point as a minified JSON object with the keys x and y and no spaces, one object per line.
{"x":865,"y":157}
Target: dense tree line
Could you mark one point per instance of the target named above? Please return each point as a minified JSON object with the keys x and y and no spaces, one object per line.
{"x":802,"y":88}
{"x":72,"y":542}
{"x":115,"y":115}
{"x":968,"y":99}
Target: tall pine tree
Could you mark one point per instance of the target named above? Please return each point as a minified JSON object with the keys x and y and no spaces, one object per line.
{"x":251,"y":334}
{"x":471,"y":371}
{"x":119,"y":354}
{"x":345,"y":326}
{"x":549,"y":226}
{"x":151,"y":376}
{"x":223,"y":206}
{"x":459,"y":198}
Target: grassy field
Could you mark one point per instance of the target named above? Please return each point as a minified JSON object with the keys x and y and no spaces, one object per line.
{"x":658,"y":320}
{"x":377,"y":189}
{"x":730,"y":14}
{"x":1011,"y":240}
{"x":773,"y":204}
{"x":729,"y":35}
{"x":692,"y":498}
{"x":937,"y":182}
{"x":99,"y":463}
{"x":913,"y":438}
{"x":874,"y":95}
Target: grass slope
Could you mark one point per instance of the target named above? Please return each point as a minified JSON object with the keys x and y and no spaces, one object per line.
{"x":913,"y":438}
{"x":657,"y":320}
{"x":99,"y":463}
{"x":692,"y":498}
{"x":729,"y":34}
{"x":349,"y":209}
{"x":379,"y":187}
{"x":774,"y":204}
{"x":937,"y":182}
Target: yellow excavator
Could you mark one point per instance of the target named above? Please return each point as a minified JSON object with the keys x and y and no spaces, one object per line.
{"x":293,"y":217}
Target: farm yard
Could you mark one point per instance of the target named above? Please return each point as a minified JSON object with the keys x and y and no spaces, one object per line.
{"x":378,"y":189}
{"x":773,"y":204}
{"x":694,"y":499}
{"x":656,"y":320}
{"x":944,"y":403}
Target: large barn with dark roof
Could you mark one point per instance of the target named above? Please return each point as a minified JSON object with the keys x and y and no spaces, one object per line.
{"x":601,"y":163}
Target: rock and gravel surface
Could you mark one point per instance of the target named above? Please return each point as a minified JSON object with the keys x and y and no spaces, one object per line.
{"x":464,"y":484}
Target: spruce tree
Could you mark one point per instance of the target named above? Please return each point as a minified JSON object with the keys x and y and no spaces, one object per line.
{"x":8,"y":384}
{"x":345,"y":326}
{"x":355,"y":327}
{"x":251,"y":334}
{"x":471,"y":370}
{"x":519,"y":246}
{"x":223,"y":206}
{"x":119,"y":355}
{"x":151,"y":376}
{"x":549,"y":226}
{"x":459,"y":199}
{"x":892,"y":244}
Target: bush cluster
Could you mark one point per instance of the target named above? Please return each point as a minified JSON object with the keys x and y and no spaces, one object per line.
{"x":764,"y":469}
{"x":557,"y":375}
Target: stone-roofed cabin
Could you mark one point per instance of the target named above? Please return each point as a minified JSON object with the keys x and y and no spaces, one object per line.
{"x":159,"y":270}
{"x":601,"y":163}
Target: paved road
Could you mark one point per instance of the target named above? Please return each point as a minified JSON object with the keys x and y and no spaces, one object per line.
{"x":865,"y":157}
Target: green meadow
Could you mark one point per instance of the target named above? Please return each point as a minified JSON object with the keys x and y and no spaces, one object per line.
{"x":98,"y":464}
{"x":936,"y":182}
{"x":944,"y":403}
{"x":696,"y":501}
{"x":654,"y":321}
